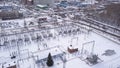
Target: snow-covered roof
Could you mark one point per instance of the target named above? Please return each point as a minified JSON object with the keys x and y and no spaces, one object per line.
{"x":41,"y":6}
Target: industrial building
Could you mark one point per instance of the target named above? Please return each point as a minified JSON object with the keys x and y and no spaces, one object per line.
{"x":27,"y":2}
{"x":9,"y":12}
{"x":49,"y":3}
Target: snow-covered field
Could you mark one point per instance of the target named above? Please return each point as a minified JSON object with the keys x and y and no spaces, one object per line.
{"x":32,"y":50}
{"x":101,"y":44}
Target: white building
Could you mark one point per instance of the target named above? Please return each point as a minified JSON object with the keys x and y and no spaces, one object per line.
{"x":49,"y":3}
{"x":90,"y":1}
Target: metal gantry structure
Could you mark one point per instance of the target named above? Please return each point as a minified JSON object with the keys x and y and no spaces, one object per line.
{"x":22,"y":37}
{"x":92,"y":49}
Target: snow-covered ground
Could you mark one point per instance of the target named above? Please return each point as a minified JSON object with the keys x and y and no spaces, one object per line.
{"x":61,"y":43}
{"x":101,"y":44}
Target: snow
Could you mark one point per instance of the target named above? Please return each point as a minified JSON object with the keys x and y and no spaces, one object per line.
{"x":44,"y":53}
{"x":101,"y":44}
{"x":18,"y":23}
{"x":73,"y":61}
{"x":28,"y":53}
{"x":32,"y":54}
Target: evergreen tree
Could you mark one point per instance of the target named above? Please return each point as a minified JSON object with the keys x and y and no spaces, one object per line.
{"x":49,"y":60}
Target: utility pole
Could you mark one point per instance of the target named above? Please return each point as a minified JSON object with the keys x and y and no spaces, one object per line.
{"x":18,"y":48}
{"x":64,"y":60}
